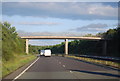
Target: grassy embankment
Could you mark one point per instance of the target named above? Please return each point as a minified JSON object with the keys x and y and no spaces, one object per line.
{"x":108,"y":63}
{"x":13,"y":50}
{"x":12,"y":65}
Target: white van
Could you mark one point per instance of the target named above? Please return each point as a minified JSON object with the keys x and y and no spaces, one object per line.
{"x":47,"y":52}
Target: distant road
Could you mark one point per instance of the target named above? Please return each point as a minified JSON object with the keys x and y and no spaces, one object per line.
{"x":56,"y":67}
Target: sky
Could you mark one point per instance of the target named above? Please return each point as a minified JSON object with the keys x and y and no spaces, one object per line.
{"x":59,"y":18}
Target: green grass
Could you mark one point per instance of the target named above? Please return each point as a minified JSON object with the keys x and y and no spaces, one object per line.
{"x":12,"y":65}
{"x":108,"y":63}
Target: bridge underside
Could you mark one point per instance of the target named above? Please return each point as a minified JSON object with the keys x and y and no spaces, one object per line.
{"x":58,"y":37}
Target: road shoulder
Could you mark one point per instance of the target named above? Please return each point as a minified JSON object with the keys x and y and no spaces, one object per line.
{"x":18,"y":71}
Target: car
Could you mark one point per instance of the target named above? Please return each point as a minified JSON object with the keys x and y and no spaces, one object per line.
{"x":42,"y":52}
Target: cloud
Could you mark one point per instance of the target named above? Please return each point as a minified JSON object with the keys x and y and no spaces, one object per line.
{"x":40,"y":0}
{"x":39,"y":23}
{"x":23,"y":33}
{"x":92,"y":28}
{"x":67,"y":10}
{"x":61,"y":1}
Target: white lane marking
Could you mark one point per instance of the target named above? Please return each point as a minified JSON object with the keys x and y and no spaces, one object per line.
{"x":59,"y":62}
{"x":25,"y":70}
{"x":63,"y":65}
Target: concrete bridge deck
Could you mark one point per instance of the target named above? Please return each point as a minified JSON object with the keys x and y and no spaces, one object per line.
{"x":61,"y":37}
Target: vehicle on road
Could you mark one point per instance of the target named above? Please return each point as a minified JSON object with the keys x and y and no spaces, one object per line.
{"x":47,"y":52}
{"x":42,"y":52}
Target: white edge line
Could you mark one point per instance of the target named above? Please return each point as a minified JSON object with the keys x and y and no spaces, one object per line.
{"x":25,"y":70}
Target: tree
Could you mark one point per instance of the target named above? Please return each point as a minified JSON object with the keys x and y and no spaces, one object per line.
{"x":12,"y":45}
{"x":110,"y":33}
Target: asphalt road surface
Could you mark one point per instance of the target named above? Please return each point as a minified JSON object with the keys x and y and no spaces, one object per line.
{"x":56,"y":67}
{"x":64,"y":68}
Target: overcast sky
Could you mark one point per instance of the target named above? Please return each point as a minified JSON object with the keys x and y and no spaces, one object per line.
{"x":60,"y":18}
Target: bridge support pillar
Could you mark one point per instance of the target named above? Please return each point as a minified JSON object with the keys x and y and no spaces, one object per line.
{"x":66,"y":46}
{"x":105,"y":47}
{"x":27,"y":51}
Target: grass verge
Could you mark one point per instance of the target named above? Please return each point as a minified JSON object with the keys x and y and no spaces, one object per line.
{"x":12,"y":65}
{"x":108,"y":63}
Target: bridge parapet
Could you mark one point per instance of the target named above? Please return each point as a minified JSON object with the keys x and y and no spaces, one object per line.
{"x":61,"y":37}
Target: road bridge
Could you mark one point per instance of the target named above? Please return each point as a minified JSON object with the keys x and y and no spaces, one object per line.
{"x":60,"y":37}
